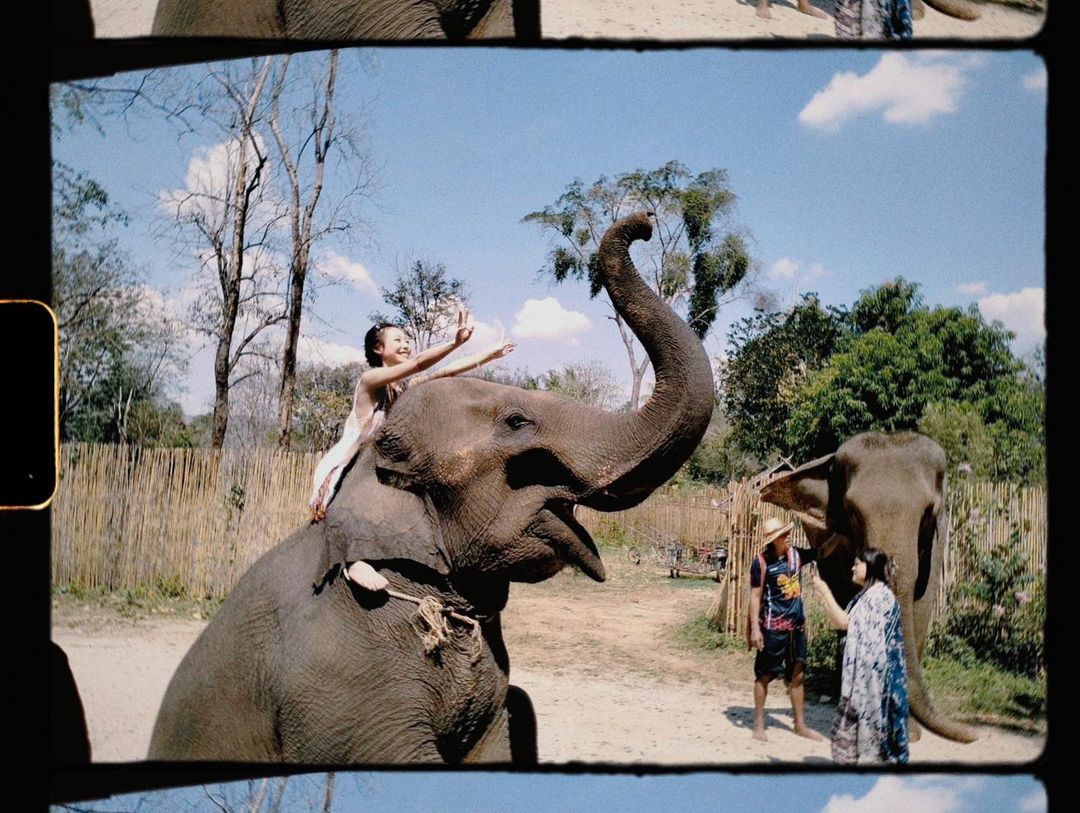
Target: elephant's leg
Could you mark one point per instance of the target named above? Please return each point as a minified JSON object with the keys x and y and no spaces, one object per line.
{"x":511,"y":738}
{"x":523,"y":749}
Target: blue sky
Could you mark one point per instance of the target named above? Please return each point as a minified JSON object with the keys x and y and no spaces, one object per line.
{"x":482,"y":792}
{"x":850,"y":168}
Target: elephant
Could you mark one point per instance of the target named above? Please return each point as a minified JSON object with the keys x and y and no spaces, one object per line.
{"x":467,"y":486}
{"x":349,"y":19}
{"x":960,"y":9}
{"x":883,"y":491}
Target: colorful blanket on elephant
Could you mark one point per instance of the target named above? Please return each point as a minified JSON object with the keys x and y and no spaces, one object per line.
{"x":873,"y":19}
{"x":872,"y":720}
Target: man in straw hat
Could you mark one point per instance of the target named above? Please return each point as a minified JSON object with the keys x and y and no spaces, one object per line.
{"x":777,"y":621}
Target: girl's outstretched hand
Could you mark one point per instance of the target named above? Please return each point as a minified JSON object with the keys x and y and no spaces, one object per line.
{"x":503,"y":351}
{"x":464,"y":329}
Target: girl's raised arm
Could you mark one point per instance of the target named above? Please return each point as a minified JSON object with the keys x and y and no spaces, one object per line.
{"x":836,"y":614}
{"x":467,"y":363}
{"x":378,"y":377}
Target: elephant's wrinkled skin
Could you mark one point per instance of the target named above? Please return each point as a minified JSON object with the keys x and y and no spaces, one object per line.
{"x":348,"y":19}
{"x":887,"y":492}
{"x":467,"y":486}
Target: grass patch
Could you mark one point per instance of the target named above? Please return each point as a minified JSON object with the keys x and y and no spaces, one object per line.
{"x":698,"y":633}
{"x":986,"y":693}
{"x":166,"y":597}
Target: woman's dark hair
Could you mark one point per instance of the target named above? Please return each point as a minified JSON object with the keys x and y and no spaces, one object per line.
{"x":877,"y":565}
{"x":373,"y":339}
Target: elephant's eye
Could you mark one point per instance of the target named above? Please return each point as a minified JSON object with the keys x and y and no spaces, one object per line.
{"x":516,"y":420}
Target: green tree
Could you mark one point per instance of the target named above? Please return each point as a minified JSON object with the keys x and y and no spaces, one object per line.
{"x":118,"y":351}
{"x":772,"y":355}
{"x":902,"y":363}
{"x":324,"y":396}
{"x":962,"y":433}
{"x":425,"y":300}
{"x":696,"y":258}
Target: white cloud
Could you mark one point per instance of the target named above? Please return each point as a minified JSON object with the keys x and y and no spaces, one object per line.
{"x":907,"y":89}
{"x":1036,"y":80}
{"x":547,"y":319}
{"x":971,"y":288}
{"x":485,"y":337}
{"x":311,"y":350}
{"x":785,"y":268}
{"x":1021,"y":312}
{"x":352,"y":273}
{"x":1034,"y":802}
{"x":209,"y":175}
{"x":892,"y":794}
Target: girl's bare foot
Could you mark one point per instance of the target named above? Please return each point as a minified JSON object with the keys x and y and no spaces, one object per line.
{"x":364,"y":575}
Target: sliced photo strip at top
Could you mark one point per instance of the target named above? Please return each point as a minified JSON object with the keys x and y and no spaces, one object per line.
{"x":557,"y":20}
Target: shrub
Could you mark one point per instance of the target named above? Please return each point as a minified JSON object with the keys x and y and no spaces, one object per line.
{"x":997,"y":614}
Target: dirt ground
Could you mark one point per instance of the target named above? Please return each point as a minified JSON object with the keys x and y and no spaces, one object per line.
{"x":676,"y":19}
{"x":611,"y":680}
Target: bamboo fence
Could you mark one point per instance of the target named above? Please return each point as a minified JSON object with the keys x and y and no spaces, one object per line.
{"x":191,"y":521}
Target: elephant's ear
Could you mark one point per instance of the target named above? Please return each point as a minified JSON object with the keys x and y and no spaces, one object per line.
{"x":806,"y":492}
{"x":370,"y":521}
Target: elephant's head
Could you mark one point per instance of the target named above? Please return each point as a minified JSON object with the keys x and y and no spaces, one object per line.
{"x":887,"y":492}
{"x":496,"y":470}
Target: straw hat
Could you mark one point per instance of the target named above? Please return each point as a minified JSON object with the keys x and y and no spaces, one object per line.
{"x":774,"y":528}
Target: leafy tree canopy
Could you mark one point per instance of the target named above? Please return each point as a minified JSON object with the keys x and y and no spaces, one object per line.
{"x":804,"y":381}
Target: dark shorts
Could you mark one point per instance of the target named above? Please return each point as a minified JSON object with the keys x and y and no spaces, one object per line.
{"x":783,"y":649}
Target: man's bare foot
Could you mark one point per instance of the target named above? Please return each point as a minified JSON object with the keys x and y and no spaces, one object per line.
{"x":763,"y":10}
{"x":806,"y":8}
{"x":364,"y":575}
{"x":759,"y":734}
{"x":809,"y":733}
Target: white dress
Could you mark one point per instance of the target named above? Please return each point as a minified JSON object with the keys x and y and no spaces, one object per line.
{"x":358,"y":428}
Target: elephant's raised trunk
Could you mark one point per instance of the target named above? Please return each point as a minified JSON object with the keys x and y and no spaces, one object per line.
{"x":648,"y":446}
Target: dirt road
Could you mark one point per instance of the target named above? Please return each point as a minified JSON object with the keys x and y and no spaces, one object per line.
{"x":608,"y":674}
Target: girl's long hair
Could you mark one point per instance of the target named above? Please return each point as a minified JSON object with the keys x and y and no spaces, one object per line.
{"x":373,"y":339}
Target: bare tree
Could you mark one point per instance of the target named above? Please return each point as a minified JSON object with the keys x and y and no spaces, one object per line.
{"x":589,"y":380}
{"x":230,"y":219}
{"x":317,"y":131}
{"x":425,"y":300}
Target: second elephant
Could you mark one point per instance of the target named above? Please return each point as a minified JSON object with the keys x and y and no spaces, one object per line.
{"x":886,"y":492}
{"x":349,"y":19}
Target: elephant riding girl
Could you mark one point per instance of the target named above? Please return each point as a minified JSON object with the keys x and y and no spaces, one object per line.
{"x":389,"y":353}
{"x":465,"y":487}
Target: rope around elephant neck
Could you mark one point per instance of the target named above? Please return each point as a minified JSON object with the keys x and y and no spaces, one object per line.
{"x":432,"y":615}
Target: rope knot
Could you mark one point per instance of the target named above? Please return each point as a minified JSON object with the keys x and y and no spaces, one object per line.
{"x":433,"y":619}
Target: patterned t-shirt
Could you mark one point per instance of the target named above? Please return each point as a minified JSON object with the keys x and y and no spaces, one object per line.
{"x":781,"y":600}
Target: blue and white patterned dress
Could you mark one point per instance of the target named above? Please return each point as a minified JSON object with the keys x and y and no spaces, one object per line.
{"x":873,"y":19}
{"x":872,"y":719}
